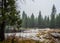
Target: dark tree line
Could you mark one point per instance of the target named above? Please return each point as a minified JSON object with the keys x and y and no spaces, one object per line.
{"x":52,"y":21}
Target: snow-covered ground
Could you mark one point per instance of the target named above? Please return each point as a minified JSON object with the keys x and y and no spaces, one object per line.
{"x":27,"y":33}
{"x":32,"y":34}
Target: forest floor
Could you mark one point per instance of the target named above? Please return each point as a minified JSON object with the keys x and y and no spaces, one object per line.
{"x":41,"y":36}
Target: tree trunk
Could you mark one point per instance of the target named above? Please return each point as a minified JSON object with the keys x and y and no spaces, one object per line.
{"x":2,"y":31}
{"x":2,"y":25}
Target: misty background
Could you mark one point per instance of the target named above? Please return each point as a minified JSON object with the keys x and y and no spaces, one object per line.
{"x":34,"y":6}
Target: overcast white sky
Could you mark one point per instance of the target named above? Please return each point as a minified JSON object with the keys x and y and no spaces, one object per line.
{"x":35,"y":6}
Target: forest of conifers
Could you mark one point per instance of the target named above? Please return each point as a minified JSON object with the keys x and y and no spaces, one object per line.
{"x":52,"y":21}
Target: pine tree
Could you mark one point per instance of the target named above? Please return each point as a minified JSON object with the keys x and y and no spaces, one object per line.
{"x":24,"y":20}
{"x":28,"y":22}
{"x":23,"y":16}
{"x":9,"y":16}
{"x":58,"y":21}
{"x":52,"y":21}
{"x":46,"y":22}
{"x":32,"y":20}
{"x":39,"y":20}
{"x":36,"y":23}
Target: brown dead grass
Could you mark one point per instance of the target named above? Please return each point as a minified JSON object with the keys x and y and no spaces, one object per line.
{"x":20,"y":40}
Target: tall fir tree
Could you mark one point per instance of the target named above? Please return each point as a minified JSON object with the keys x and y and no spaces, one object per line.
{"x":52,"y":21}
{"x":39,"y":20}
